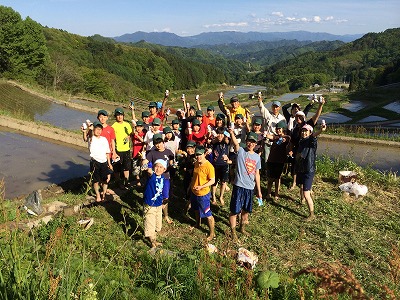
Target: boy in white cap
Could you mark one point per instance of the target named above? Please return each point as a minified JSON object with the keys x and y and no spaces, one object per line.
{"x":153,"y":198}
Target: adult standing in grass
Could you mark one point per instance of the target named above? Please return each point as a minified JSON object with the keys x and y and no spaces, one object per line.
{"x":123,"y":132}
{"x":247,"y":176}
{"x":305,"y":164}
{"x":203,"y":178}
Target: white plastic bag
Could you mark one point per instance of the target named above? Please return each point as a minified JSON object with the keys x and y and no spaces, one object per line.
{"x":354,"y":188}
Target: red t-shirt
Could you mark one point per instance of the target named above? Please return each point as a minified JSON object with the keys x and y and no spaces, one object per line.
{"x":207,"y":121}
{"x":109,"y":133}
{"x":137,"y":144}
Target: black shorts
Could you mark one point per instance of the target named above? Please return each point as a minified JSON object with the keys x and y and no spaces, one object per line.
{"x":100,"y":171}
{"x":274,"y":170}
{"x":305,"y":179}
{"x":124,"y":163}
{"x":221,"y":173}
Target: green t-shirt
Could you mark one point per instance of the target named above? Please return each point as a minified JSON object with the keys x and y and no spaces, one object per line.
{"x":122,"y":133}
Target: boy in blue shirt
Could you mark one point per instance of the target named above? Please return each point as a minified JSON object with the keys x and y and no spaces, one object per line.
{"x":153,"y":198}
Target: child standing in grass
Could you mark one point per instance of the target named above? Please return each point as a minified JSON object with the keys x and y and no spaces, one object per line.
{"x":277,"y":157}
{"x":100,"y":164}
{"x":305,"y":164}
{"x":153,"y":198}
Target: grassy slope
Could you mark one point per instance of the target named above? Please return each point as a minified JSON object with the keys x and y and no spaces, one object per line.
{"x":358,"y":233}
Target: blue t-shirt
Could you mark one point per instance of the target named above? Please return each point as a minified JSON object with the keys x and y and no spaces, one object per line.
{"x":153,"y":192}
{"x":247,"y":164}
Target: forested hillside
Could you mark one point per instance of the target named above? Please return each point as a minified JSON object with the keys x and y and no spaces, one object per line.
{"x":371,"y":60}
{"x":265,"y":53}
{"x":97,"y":66}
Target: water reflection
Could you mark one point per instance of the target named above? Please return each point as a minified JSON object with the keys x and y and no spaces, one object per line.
{"x":29,"y":163}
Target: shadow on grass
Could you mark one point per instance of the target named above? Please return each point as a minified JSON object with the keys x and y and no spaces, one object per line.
{"x":287,"y":208}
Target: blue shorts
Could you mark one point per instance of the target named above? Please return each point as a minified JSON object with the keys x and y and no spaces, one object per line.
{"x":242,"y":199}
{"x":306,"y":179}
{"x":202,"y":204}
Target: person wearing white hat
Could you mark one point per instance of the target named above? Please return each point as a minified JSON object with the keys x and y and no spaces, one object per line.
{"x":305,"y":164}
{"x":153,"y":199}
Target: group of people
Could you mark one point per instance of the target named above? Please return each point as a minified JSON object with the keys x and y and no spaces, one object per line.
{"x":206,"y":149}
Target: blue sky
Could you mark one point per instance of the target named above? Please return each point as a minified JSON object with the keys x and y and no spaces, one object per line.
{"x":114,"y":18}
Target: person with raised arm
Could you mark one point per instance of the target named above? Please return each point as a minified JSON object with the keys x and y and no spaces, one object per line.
{"x":247,"y":177}
{"x":270,"y":119}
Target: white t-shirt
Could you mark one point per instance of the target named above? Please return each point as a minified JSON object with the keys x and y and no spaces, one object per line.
{"x":99,"y":148}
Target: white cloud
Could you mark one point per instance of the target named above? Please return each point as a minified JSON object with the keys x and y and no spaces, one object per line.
{"x":317,"y":19}
{"x":228,"y":24}
{"x":167,"y":29}
{"x":330,"y":18}
{"x":277,"y":13}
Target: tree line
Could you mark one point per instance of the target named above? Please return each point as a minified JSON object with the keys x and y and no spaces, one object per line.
{"x":369,"y":61}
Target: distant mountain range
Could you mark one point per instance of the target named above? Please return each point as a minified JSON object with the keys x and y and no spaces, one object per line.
{"x":229,"y":37}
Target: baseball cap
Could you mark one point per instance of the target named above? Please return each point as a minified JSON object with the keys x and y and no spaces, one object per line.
{"x":196,"y":122}
{"x":276,"y":103}
{"x":234,"y":99}
{"x":200,"y":150}
{"x":152,"y":104}
{"x":210,"y":107}
{"x":239,"y":116}
{"x":118,"y":111}
{"x":145,"y":114}
{"x":281,"y":124}
{"x":190,"y":144}
{"x":220,"y":117}
{"x":139,"y":123}
{"x":156,"y":121}
{"x":175,"y":121}
{"x":296,"y":105}
{"x":252,"y":136}
{"x":97,"y":124}
{"x":192,"y":107}
{"x":157,"y":137}
{"x":102,"y":112}
{"x":167,"y":130}
{"x":307,"y":127}
{"x":257,"y":121}
{"x":161,"y":162}
{"x":199,"y":113}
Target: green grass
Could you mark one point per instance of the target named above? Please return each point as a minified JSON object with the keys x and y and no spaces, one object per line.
{"x":111,"y":261}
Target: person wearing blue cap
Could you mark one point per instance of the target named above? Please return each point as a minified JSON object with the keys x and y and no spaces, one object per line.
{"x":270,"y":119}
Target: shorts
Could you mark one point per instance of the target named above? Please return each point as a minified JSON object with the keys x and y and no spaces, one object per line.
{"x":202,"y":204}
{"x":242,"y":199}
{"x":306,"y":179}
{"x":125,"y":162}
{"x":274,"y":170}
{"x":100,"y":171}
{"x":221,"y":173}
{"x":152,"y":220}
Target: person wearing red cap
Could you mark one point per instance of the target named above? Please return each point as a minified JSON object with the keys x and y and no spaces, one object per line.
{"x":305,"y":164}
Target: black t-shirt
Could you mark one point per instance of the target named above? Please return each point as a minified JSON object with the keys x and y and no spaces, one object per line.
{"x":165,"y":155}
